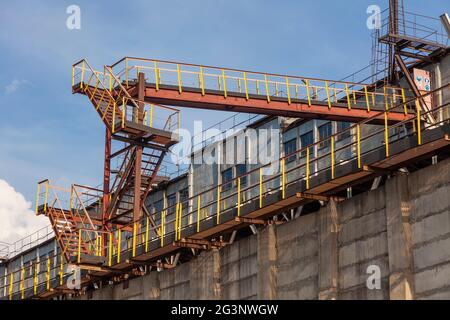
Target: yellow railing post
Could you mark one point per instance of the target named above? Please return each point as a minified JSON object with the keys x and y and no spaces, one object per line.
{"x":180,"y":219}
{"x":332,"y":157}
{"x":283,"y":178}
{"x":155,"y":68}
{"x":349,"y":105}
{"x":267,"y":88}
{"x":146,"y":233}
{"x":307,"y":168}
{"x":358,"y":144}
{"x":239,"y":196}
{"x":386,"y":133}
{"x":202,"y":81}
{"x":218,"y":205}
{"x":114,"y":118}
{"x":308,"y":93}
{"x":419,"y":133}
{"x":79,"y":246}
{"x":151,"y":116}
{"x":176,"y":221}
{"x":162,"y":227}
{"x":96,"y":246}
{"x":119,"y":244}
{"x":328,"y":94}
{"x":246,"y":85}
{"x":276,"y":89}
{"x":61,"y":269}
{"x":288,"y":90}
{"x":260,"y":187}
{"x":198,"y":213}
{"x":224,"y":79}
{"x":134,"y":239}
{"x":367,"y":98}
{"x":405,"y":109}
{"x":46,"y":195}
{"x":48,"y":273}
{"x":110,"y":249}
{"x":180,"y":90}
{"x":257,"y":86}
{"x":296,"y":91}
{"x":35,"y":278}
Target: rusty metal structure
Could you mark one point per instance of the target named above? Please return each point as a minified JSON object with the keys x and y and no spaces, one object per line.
{"x":109,"y":233}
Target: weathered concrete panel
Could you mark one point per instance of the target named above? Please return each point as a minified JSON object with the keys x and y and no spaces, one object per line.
{"x":362,"y":250}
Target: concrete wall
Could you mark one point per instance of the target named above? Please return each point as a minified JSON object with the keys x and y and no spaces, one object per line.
{"x":402,"y":227}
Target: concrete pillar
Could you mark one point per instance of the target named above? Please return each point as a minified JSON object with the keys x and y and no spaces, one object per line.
{"x":267,"y":263}
{"x":151,"y":287}
{"x":205,"y":276}
{"x":399,"y":239}
{"x":328,"y":252}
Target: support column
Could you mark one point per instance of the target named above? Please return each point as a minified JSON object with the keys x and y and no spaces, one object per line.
{"x":267,"y":263}
{"x":138,"y":116}
{"x":204,"y":276}
{"x":328,"y":252}
{"x":399,"y":239}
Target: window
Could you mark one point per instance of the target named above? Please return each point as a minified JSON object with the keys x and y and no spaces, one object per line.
{"x":289,"y":148}
{"x":227,"y":176}
{"x":324,"y":132}
{"x":184,"y":194}
{"x":241,"y":169}
{"x":171,"y":203}
{"x":306,"y":139}
{"x":342,"y":126}
{"x":158,"y":206}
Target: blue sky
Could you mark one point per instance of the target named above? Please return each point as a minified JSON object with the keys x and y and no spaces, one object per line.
{"x":46,"y":132}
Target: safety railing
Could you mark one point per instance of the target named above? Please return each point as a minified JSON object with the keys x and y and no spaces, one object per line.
{"x":226,"y":81}
{"x":417,"y":26}
{"x":35,"y":276}
{"x":4,"y":250}
{"x":11,"y":250}
{"x":115,"y":105}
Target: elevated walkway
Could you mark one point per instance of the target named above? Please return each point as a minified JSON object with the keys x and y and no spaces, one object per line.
{"x":225,"y":89}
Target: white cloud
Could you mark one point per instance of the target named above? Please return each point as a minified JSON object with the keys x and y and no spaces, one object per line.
{"x":14,"y":86}
{"x":17,"y":218}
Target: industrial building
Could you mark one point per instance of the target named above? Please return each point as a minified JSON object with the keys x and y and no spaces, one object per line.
{"x":357,"y":175}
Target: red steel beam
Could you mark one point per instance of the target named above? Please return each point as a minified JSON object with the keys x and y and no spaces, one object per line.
{"x":214,"y":100}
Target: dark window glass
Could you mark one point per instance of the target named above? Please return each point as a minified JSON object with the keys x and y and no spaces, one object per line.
{"x":184,"y":194}
{"x":227,"y":176}
{"x":158,"y":206}
{"x":289,"y":148}
{"x":171,"y":203}
{"x":342,"y":126}
{"x":241,"y":169}
{"x":306,"y":139}
{"x":324,"y":132}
